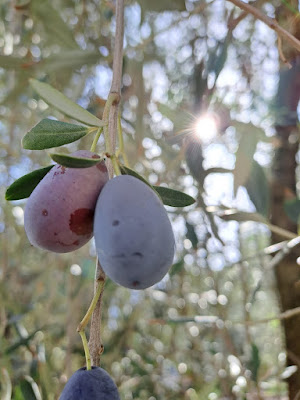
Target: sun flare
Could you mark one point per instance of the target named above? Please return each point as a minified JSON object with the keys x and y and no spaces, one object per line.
{"x":206,"y":128}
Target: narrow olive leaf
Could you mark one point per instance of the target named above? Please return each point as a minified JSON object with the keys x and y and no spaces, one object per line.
{"x":177,"y":267}
{"x":50,"y":133}
{"x":255,"y":362}
{"x":74,"y":162}
{"x":64,"y":105}
{"x":191,"y":234}
{"x":24,"y":186}
{"x":169,"y":197}
{"x":174,"y":198}
{"x":217,"y":170}
{"x":129,"y":171}
{"x":242,"y":216}
{"x":258,"y":189}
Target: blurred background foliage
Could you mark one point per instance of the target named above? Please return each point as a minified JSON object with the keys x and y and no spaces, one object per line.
{"x":194,"y":335}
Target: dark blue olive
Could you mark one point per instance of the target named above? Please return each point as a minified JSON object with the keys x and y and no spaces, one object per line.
{"x":133,"y":235}
{"x":94,"y":384}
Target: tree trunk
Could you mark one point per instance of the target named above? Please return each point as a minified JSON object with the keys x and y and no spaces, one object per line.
{"x":284,"y":188}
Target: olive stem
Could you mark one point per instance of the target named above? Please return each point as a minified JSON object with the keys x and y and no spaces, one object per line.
{"x":96,"y":138}
{"x":87,"y":317}
{"x":115,"y":164}
{"x":112,"y":98}
{"x":110,"y":110}
{"x":85,"y":321}
{"x":95,"y":343}
{"x":86,"y":350}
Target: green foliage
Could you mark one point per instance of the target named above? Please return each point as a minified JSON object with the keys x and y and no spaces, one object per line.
{"x":191,"y":234}
{"x":55,"y":27}
{"x":64,"y":105}
{"x":254,"y":362}
{"x":23,"y":187}
{"x":160,"y":6}
{"x":49,"y":133}
{"x":129,"y":171}
{"x":170,"y":197}
{"x":74,"y":162}
{"x":174,"y":198}
{"x":258,"y":189}
{"x":249,"y":136}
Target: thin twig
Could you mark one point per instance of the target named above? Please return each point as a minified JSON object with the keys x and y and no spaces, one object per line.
{"x":212,"y":320}
{"x":271,"y":22}
{"x":95,"y":343}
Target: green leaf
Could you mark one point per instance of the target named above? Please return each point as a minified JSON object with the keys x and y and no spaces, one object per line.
{"x":129,"y":171}
{"x":169,"y":197}
{"x":257,"y":187}
{"x":43,"y":12}
{"x":50,"y":133}
{"x":174,"y":198}
{"x":217,"y":170}
{"x":181,"y":119}
{"x":242,"y":216}
{"x":64,"y":105}
{"x":30,"y":389}
{"x":162,"y":5}
{"x":10,"y":62}
{"x":254,"y":363}
{"x":191,"y":235}
{"x":177,"y":267}
{"x":249,"y":136}
{"x":244,"y":159}
{"x":292,"y":209}
{"x":18,"y":393}
{"x":24,"y":186}
{"x":70,"y":59}
{"x":74,"y":162}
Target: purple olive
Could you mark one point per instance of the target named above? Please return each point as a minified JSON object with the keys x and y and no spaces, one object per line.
{"x":60,"y":211}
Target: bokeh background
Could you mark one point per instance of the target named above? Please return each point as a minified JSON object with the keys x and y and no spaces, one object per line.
{"x":201,"y":97}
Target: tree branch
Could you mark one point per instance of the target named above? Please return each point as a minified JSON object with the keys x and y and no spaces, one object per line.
{"x":271,"y":22}
{"x":95,"y":344}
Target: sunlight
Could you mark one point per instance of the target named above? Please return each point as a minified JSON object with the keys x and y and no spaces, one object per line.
{"x":206,"y":128}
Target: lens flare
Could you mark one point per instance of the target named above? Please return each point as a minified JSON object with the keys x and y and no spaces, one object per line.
{"x":206,"y":128}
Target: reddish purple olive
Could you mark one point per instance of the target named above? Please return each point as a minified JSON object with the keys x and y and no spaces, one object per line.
{"x":60,"y":211}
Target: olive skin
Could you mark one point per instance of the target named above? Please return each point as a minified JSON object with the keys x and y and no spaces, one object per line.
{"x":133,"y":235}
{"x":59,"y":213}
{"x":94,"y":384}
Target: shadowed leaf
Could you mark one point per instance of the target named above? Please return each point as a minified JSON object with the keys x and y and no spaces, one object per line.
{"x":129,"y":171}
{"x":258,"y":189}
{"x":174,"y":198}
{"x":74,"y":162}
{"x":170,"y":197}
{"x":24,"y":186}
{"x":191,"y":234}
